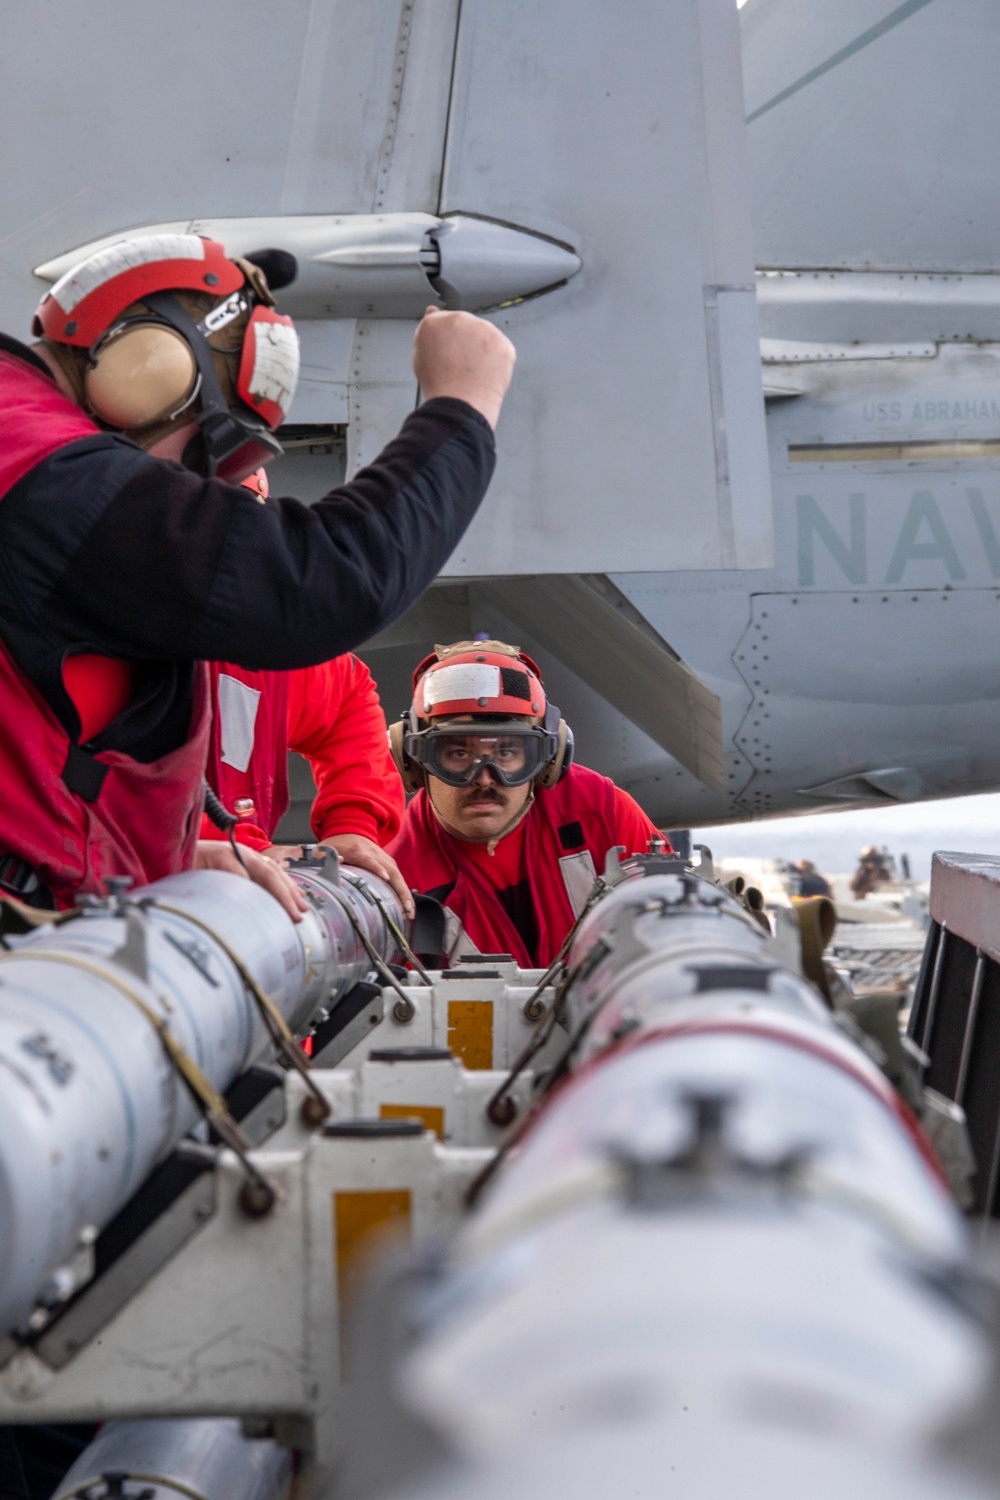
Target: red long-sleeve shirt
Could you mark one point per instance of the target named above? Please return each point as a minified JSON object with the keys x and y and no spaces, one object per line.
{"x":505,"y":867}
{"x":334,"y":719}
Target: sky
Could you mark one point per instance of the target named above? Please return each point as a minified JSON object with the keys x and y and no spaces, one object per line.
{"x":970,"y":825}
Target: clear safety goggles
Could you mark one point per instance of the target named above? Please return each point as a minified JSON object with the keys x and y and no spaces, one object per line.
{"x":512,"y":753}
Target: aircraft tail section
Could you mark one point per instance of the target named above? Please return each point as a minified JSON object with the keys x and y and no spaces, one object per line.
{"x":633,"y":437}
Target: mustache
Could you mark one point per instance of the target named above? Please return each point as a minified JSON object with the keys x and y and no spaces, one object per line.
{"x":491,"y":793}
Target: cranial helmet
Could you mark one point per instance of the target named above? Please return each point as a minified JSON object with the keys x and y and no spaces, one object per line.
{"x":166,"y":328}
{"x":480,"y":688}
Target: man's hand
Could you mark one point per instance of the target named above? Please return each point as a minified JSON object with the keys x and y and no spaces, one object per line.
{"x":457,"y":354}
{"x":211,"y":854}
{"x":355,"y":849}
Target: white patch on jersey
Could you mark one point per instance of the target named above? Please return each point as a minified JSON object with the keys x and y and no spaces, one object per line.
{"x":578,"y":875}
{"x":466,"y":679}
{"x":237,"y":708}
{"x":275,"y":363}
{"x":125,"y":256}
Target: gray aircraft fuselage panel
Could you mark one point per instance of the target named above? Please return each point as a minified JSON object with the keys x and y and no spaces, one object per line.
{"x":596,"y":132}
{"x":872,"y":644}
{"x":871,"y":132}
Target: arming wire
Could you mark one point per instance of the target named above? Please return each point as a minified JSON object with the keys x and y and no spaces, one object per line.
{"x":224,"y":821}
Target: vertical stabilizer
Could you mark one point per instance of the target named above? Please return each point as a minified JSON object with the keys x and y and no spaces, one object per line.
{"x":633,"y":438}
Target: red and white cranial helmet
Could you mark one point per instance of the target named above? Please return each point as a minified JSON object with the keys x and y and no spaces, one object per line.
{"x":486,"y":700}
{"x":479,"y":680}
{"x":83,"y":304}
{"x":146,"y":377}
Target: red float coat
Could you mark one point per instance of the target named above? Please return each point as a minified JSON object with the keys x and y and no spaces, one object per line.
{"x":330,"y":714}
{"x":547,"y":864}
{"x":73,"y":815}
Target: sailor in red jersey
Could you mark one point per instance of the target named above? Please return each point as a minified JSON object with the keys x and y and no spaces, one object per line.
{"x":130,"y":554}
{"x":331,"y":715}
{"x":504,"y":829}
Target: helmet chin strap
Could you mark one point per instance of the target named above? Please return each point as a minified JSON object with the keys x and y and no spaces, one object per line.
{"x":494,"y":839}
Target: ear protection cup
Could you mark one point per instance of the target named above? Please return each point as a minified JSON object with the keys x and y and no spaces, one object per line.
{"x":569,"y":753}
{"x":412,"y":775}
{"x":140,"y":375}
{"x":561,"y":761}
{"x":232,"y":442}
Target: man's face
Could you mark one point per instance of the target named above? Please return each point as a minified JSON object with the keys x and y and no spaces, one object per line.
{"x":482,"y":809}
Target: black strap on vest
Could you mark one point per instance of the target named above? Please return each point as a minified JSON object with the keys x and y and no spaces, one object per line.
{"x":22,"y":352}
{"x":84,"y":774}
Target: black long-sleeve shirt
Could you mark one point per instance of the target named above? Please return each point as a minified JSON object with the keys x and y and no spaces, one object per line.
{"x":106,"y":550}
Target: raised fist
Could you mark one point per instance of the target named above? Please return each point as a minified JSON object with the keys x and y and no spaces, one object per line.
{"x":458,"y":354}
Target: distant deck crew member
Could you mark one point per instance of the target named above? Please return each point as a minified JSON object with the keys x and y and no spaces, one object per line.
{"x":811,"y":882}
{"x":874,"y":869}
{"x":505,"y":830}
{"x":130,"y":553}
